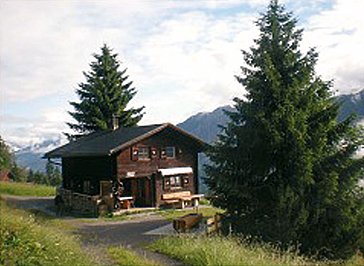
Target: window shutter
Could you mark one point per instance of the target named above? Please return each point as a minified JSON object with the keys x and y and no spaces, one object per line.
{"x":153,"y":153}
{"x":163,"y":154}
{"x":134,"y":153}
{"x":167,"y":183}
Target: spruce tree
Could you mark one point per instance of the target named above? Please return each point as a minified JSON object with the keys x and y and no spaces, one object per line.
{"x":284,"y":167}
{"x":105,"y":94}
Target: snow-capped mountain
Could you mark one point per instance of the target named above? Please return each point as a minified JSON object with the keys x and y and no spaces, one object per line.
{"x":31,"y":156}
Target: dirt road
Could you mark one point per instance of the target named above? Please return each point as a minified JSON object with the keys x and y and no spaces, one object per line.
{"x":44,"y":204}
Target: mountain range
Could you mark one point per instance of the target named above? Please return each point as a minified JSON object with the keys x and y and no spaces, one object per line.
{"x":31,"y":156}
{"x":203,"y":125}
{"x":352,"y":103}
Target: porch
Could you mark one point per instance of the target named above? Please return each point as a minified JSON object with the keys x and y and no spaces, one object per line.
{"x":170,"y":187}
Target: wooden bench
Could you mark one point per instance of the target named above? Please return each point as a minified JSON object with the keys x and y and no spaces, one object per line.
{"x":181,"y":197}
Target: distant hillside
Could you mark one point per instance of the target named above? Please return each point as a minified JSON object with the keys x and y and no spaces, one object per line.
{"x":352,"y":103}
{"x":206,"y":125}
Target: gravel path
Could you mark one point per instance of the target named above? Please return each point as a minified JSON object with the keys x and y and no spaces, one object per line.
{"x":130,"y":234}
{"x":44,"y":204}
{"x":97,"y":235}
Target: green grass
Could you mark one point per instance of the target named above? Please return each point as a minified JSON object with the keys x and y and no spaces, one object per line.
{"x":45,"y":219}
{"x":123,"y":256}
{"x":31,"y":239}
{"x":168,"y":214}
{"x":128,"y":215}
{"x":228,"y":251}
{"x":26,"y":189}
{"x":175,"y":213}
{"x":204,"y":201}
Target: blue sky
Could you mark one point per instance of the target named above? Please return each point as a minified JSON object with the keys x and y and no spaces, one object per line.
{"x":181,"y":55}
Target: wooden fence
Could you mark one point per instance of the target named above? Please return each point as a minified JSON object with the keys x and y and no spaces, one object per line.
{"x":213,"y":224}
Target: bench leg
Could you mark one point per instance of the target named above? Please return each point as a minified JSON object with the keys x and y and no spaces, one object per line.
{"x":195,"y":202}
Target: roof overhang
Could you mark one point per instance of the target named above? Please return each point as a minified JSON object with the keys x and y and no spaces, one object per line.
{"x":175,"y":171}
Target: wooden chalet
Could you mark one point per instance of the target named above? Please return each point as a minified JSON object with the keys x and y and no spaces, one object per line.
{"x":154,"y":165}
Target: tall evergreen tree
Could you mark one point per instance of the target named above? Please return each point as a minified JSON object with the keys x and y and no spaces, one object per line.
{"x":284,"y":167}
{"x":105,"y":94}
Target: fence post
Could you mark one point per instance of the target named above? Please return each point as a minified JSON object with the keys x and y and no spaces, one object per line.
{"x":213,"y":224}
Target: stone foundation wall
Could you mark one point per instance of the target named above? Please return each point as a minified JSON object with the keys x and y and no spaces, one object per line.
{"x":81,"y":203}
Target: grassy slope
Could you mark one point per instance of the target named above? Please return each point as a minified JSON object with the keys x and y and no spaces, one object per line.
{"x":29,"y":239}
{"x":229,"y":251}
{"x":26,"y":189}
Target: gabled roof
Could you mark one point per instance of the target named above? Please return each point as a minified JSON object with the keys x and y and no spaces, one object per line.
{"x":111,"y":141}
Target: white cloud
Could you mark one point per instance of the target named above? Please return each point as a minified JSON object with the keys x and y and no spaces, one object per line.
{"x":181,"y":55}
{"x":338,"y":34}
{"x":25,"y":131}
{"x":192,"y":59}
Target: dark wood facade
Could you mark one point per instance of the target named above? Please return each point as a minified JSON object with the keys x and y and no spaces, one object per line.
{"x":77,"y":171}
{"x":139,"y":167}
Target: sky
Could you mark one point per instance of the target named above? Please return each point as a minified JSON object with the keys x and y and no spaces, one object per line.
{"x":181,"y":55}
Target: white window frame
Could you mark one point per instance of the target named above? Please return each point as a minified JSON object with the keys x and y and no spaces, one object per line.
{"x":174,"y":182}
{"x":173,"y":149}
{"x":143,"y":153}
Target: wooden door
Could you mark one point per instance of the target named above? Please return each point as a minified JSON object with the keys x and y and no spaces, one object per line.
{"x":147,"y":192}
{"x":144,"y":194}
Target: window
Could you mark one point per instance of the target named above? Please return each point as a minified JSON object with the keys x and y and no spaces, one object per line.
{"x":143,"y":153}
{"x":173,"y":182}
{"x":170,"y":152}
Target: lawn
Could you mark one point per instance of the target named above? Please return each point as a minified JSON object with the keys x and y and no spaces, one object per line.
{"x":26,"y":189}
{"x":217,"y":250}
